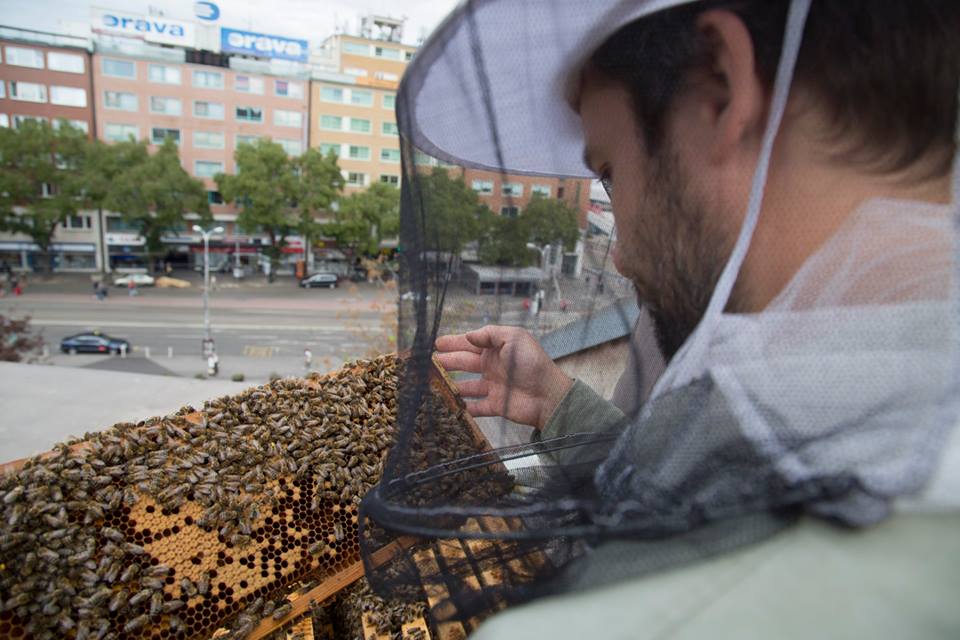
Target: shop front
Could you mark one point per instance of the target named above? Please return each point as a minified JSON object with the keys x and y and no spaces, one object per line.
{"x":64,"y":256}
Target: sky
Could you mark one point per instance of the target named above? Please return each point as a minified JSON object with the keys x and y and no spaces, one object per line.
{"x":311,"y":20}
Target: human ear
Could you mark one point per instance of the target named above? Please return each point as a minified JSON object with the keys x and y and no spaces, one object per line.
{"x":732,"y":95}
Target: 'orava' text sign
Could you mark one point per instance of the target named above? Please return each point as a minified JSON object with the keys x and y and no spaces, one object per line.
{"x":158,"y":29}
{"x":262,"y":45}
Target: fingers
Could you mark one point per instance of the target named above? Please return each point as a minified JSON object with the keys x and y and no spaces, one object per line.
{"x":460,"y":361}
{"x":482,"y":408}
{"x":491,"y":336}
{"x":457,"y":342}
{"x":473,"y":388}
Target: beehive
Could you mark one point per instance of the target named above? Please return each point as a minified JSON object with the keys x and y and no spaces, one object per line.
{"x":187,"y":525}
{"x":175,"y":526}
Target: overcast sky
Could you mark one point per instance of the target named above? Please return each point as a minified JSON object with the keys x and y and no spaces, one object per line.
{"x":311,"y":20}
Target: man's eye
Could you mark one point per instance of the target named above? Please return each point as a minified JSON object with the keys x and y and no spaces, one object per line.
{"x":607,"y":183}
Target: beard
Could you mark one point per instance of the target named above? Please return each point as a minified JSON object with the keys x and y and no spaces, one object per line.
{"x":672,"y":252}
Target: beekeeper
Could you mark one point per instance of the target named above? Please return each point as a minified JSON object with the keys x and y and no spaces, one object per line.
{"x":784,"y":185}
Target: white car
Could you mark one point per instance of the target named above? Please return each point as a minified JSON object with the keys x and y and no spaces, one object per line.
{"x":139,"y":279}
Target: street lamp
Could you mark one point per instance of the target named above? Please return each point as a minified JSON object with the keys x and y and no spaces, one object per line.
{"x":206,"y":281}
{"x":543,"y":253}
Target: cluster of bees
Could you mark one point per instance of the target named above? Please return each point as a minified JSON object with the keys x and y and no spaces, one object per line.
{"x":171,"y":526}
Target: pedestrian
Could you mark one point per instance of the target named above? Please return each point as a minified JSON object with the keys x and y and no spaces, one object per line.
{"x":307,"y":358}
{"x":213,"y":364}
{"x":131,"y":287}
{"x":16,"y":286}
{"x":167,"y":268}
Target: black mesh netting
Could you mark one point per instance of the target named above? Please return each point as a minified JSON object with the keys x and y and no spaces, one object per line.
{"x":810,"y":405}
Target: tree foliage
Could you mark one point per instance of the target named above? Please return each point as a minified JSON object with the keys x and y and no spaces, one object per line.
{"x":154,"y":193}
{"x":544,"y":221}
{"x":455,"y":217}
{"x":42,"y":179}
{"x":278,"y":194}
{"x":365,"y":218}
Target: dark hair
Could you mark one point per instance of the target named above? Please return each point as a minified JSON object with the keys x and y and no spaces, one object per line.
{"x":884,"y":73}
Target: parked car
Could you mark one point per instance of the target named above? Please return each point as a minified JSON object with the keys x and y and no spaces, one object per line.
{"x":413,"y":295}
{"x":322,"y":279}
{"x":139,"y":279}
{"x":93,"y":342}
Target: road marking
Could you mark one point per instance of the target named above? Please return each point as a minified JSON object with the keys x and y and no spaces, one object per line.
{"x":216,"y":326}
{"x":255,"y":351}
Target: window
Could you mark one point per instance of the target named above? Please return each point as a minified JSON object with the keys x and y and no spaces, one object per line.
{"x":357,"y":179}
{"x":560,"y":192}
{"x":214,"y":197}
{"x":121,"y":132}
{"x":23,"y":57}
{"x":361,"y":98}
{"x":19,"y":120}
{"x":327,"y":147}
{"x":241,"y":139}
{"x":514,"y":189}
{"x":389,"y":129}
{"x":359,"y":125}
{"x":79,"y":222}
{"x":4,"y":121}
{"x":540,"y":190}
{"x":357,"y":49}
{"x":283,"y":118}
{"x":166,"y":106}
{"x":331,"y":94}
{"x":207,"y":168}
{"x":355,"y":71}
{"x":292,"y":147}
{"x":248,"y":84}
{"x":27,"y":91}
{"x":388,"y":53}
{"x":390,"y":179}
{"x":510,"y":212}
{"x":389,"y":100}
{"x":386,"y":75}
{"x":82,"y":125}
{"x":163,"y":74}
{"x":120,"y":100}
{"x":334,"y":123}
{"x":408,"y":56}
{"x":118,"y":68}
{"x":359,"y":153}
{"x":66,"y":62}
{"x":3,"y":92}
{"x":208,"y":139}
{"x":68,"y":96}
{"x":420,"y":158}
{"x":208,"y":79}
{"x":483,"y":187}
{"x":249,"y":114}
{"x":287,"y":89}
{"x":159,"y":134}
{"x":212,"y":110}
{"x":390,"y":155}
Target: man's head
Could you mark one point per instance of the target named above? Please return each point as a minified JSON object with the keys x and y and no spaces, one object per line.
{"x":674,"y":106}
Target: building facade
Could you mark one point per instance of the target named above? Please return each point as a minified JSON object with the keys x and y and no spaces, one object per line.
{"x":45,"y":76}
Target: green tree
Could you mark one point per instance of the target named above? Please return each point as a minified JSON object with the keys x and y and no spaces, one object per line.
{"x":454,"y":216}
{"x":544,"y":221}
{"x":367,"y":217}
{"x":41,"y":180}
{"x":154,"y":194}
{"x":265,"y":188}
{"x":318,"y":185}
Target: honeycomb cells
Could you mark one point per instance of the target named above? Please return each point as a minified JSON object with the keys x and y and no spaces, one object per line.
{"x":172,"y":553}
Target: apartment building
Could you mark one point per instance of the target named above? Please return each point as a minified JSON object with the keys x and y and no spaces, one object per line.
{"x":45,"y":76}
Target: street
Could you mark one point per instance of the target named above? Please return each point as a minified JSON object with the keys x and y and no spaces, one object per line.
{"x":259,"y":329}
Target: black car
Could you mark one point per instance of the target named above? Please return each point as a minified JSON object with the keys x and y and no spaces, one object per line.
{"x":93,"y":342}
{"x":322,"y":279}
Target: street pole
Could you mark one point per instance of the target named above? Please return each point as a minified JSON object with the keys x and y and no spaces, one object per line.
{"x":206,"y":280}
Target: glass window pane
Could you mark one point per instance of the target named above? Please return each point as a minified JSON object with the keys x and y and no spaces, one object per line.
{"x":166,"y":106}
{"x":28,"y":91}
{"x":24,"y":57}
{"x":119,"y":68}
{"x":207,"y":169}
{"x":390,"y":155}
{"x":208,"y":139}
{"x":121,"y":132}
{"x":204,"y":109}
{"x":292,"y":147}
{"x":208,"y":79}
{"x":120,"y":100}
{"x":248,"y":84}
{"x":361,"y":98}
{"x":389,"y":100}
{"x":327,"y":147}
{"x":68,"y":96}
{"x":283,"y":118}
{"x":164,"y":74}
{"x":331,"y":94}
{"x":390,"y":129}
{"x":66,"y":62}
{"x":359,"y":125}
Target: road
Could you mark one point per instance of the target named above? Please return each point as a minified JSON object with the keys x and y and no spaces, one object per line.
{"x":258,"y":330}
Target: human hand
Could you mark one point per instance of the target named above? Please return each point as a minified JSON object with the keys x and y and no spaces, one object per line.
{"x":519,"y":380}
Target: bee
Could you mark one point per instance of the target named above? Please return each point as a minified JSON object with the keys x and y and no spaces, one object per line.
{"x":130,"y":572}
{"x":118,"y":600}
{"x":203,"y":584}
{"x":140,"y":597}
{"x":136,"y":623}
{"x":151,"y":583}
{"x":156,"y":603}
{"x":158,"y":571}
{"x":187,"y":587}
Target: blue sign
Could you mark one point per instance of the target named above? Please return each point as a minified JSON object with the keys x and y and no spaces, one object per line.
{"x":206,"y":11}
{"x":262,"y":45}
